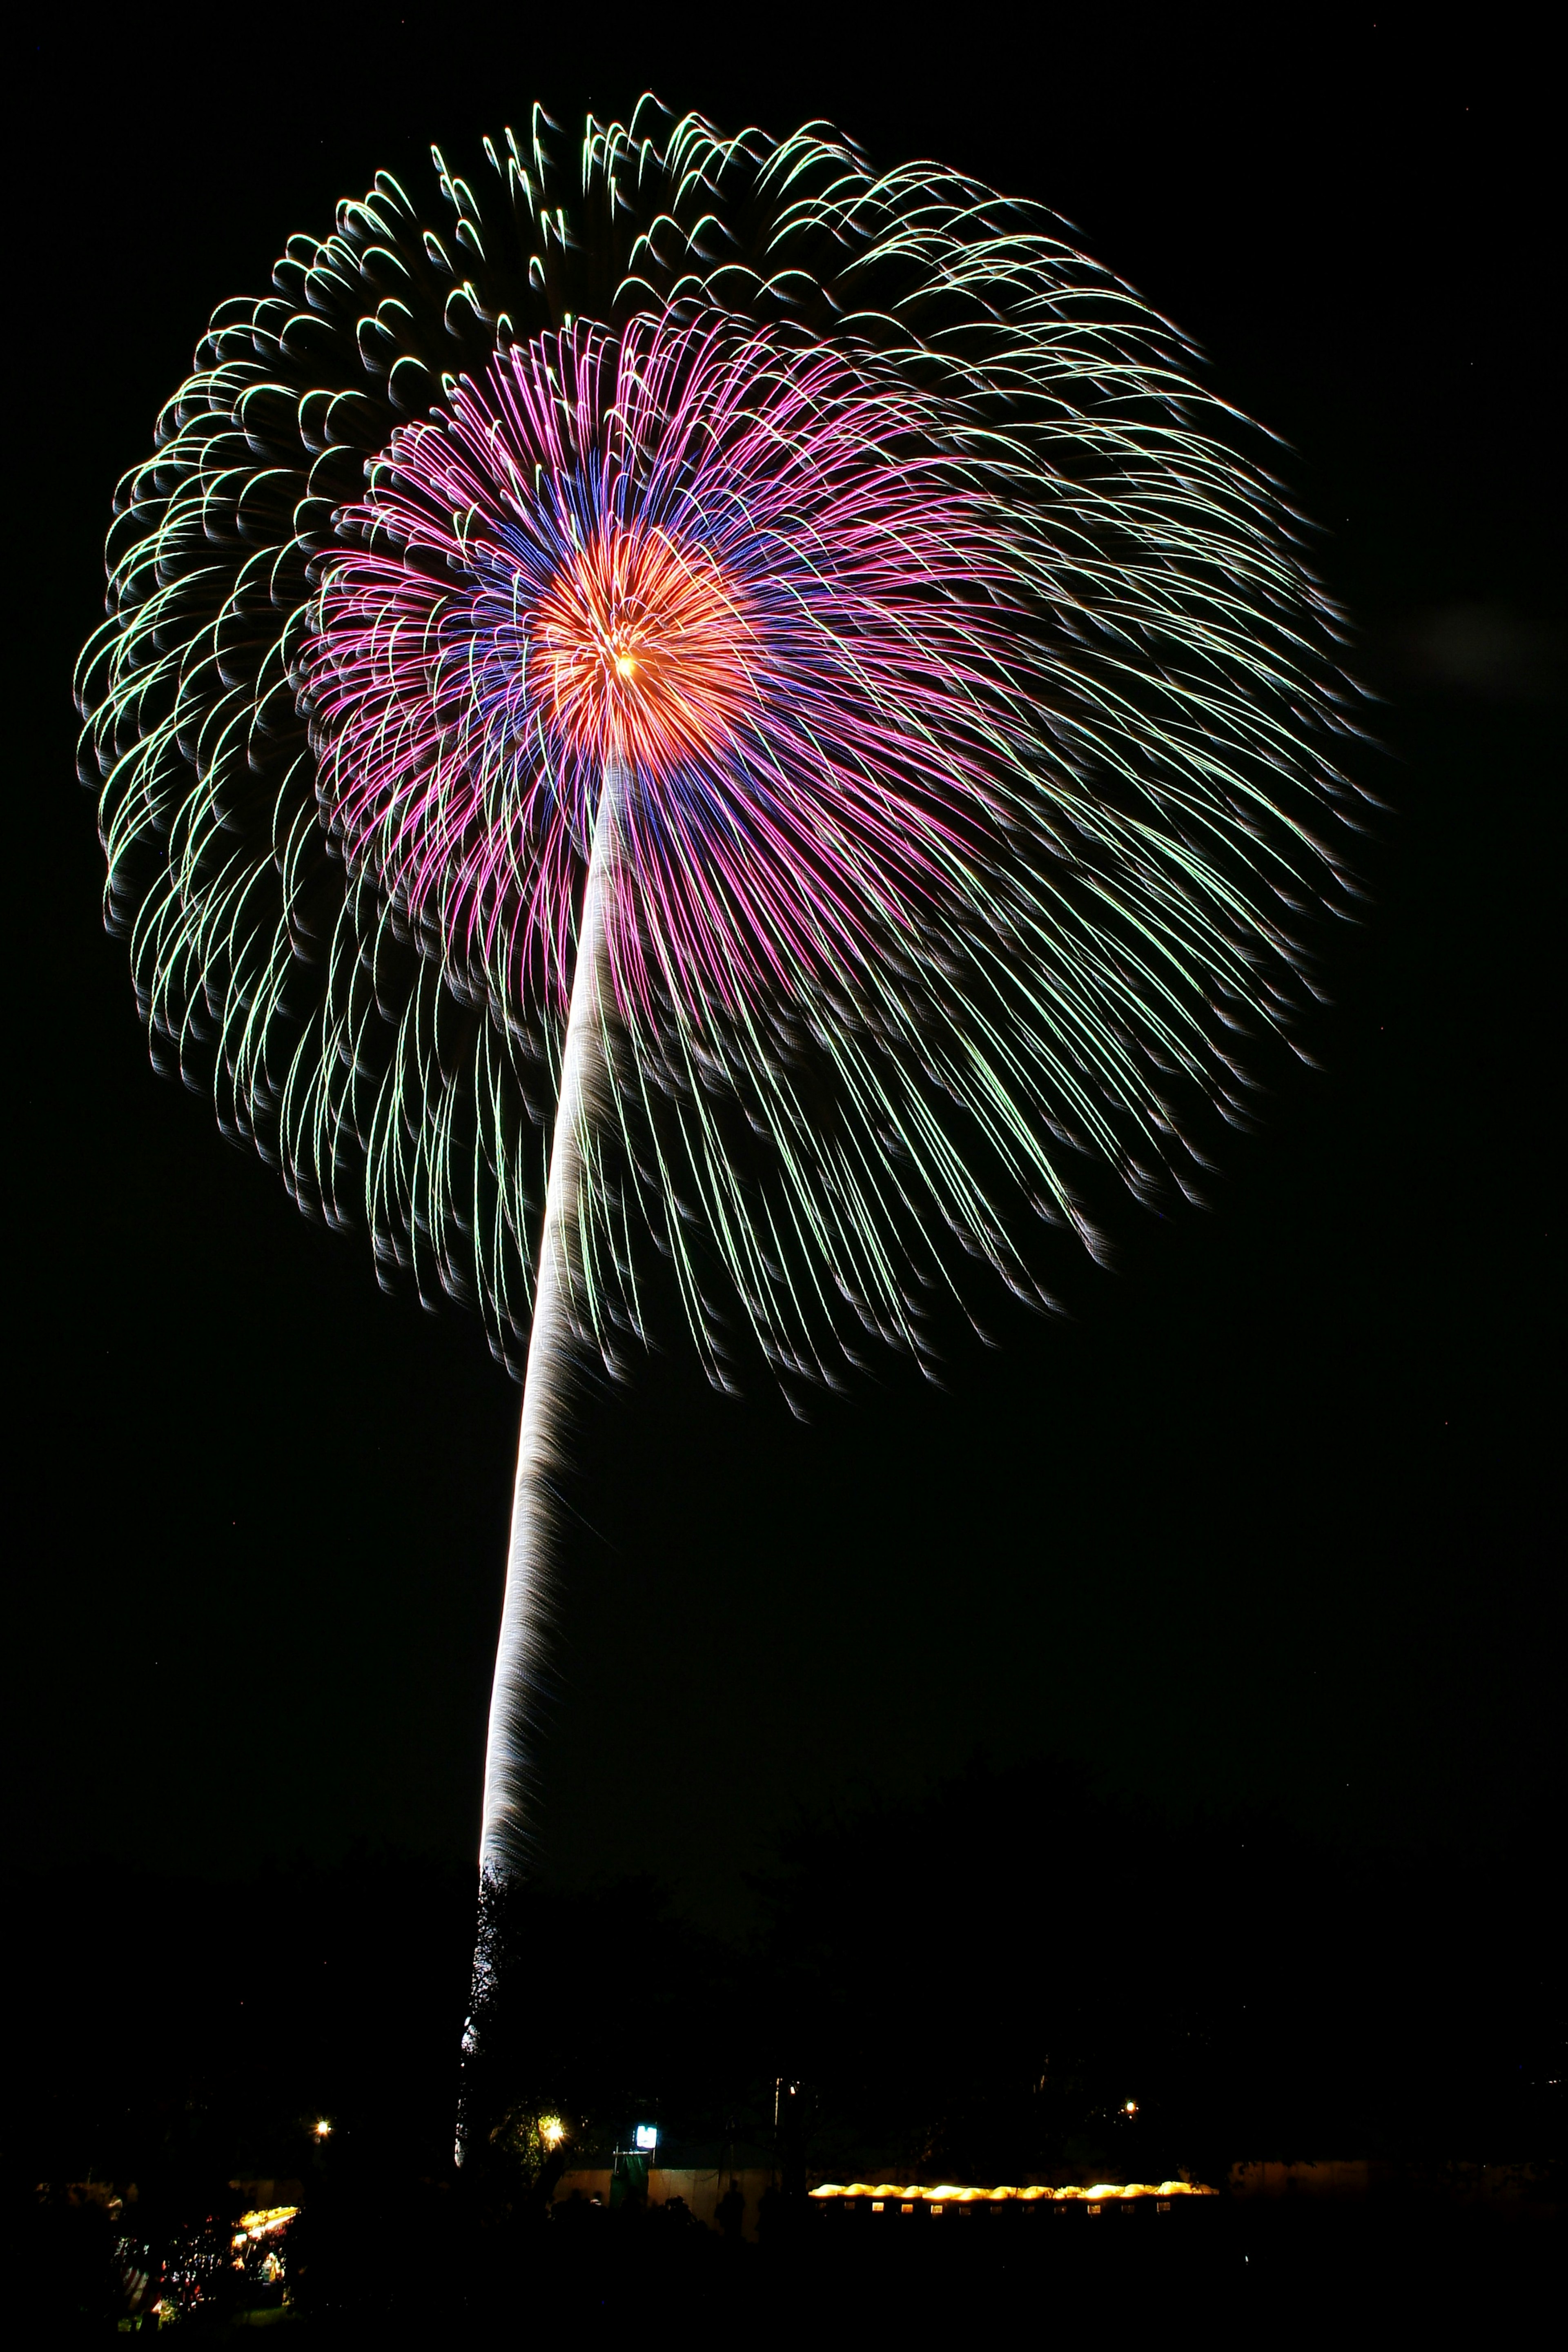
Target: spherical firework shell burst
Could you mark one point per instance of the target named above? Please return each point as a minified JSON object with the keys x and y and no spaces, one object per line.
{"x":977,"y":855}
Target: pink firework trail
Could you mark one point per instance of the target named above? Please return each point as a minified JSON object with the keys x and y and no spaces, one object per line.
{"x":738,"y":573}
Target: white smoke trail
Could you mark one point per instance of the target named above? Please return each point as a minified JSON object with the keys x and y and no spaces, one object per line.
{"x":504,"y":1836}
{"x":546,"y":1394}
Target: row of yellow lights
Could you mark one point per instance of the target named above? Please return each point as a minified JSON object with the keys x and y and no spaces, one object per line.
{"x":265,"y":2219}
{"x":948,"y":2195}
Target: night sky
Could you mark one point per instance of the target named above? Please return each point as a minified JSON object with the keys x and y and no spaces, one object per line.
{"x":1265,"y":1524}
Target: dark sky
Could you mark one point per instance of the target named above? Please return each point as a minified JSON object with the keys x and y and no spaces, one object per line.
{"x":1266,"y":1524}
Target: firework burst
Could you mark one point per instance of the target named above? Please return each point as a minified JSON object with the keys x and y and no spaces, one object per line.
{"x":718,"y":708}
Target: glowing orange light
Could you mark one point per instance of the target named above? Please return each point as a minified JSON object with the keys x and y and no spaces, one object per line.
{"x":880,"y":2192}
{"x":644,"y":647}
{"x":265,"y":2219}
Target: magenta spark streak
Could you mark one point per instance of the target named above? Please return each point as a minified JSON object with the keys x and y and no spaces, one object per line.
{"x":826,"y":622}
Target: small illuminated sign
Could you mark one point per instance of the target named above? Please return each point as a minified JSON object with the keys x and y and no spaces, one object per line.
{"x":644,"y":2139}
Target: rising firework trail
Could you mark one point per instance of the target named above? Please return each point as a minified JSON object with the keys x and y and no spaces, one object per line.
{"x":705,"y":709}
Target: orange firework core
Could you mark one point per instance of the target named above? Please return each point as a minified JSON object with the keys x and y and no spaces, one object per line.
{"x":644,"y":649}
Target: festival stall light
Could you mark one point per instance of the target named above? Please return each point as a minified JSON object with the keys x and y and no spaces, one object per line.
{"x":263,"y":2222}
{"x":947,"y":2193}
